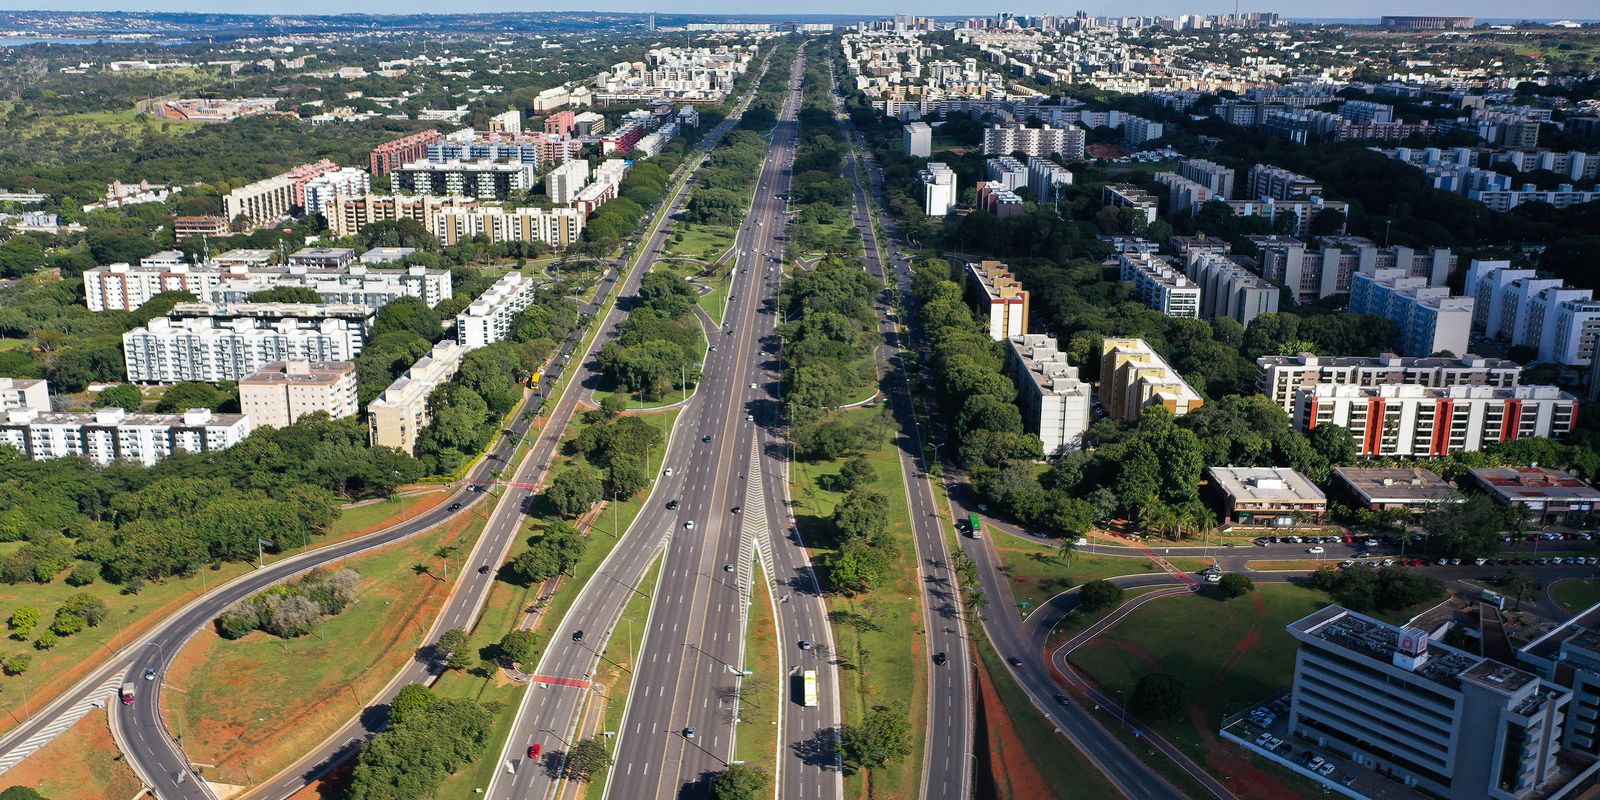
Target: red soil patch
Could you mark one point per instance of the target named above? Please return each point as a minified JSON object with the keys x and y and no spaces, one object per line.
{"x":1106,"y":150}
{"x":331,"y":786}
{"x":80,"y":764}
{"x":1014,"y":774}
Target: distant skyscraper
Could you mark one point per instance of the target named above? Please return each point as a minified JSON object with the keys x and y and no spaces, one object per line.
{"x":651,"y":23}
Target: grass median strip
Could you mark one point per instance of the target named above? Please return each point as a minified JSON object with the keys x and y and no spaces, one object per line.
{"x":762,"y":690}
{"x":878,"y":635}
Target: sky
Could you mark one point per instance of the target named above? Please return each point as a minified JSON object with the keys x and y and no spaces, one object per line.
{"x":1540,"y":9}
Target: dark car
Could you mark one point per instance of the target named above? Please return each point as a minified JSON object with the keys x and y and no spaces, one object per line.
{"x":939,"y":658}
{"x":483,"y":570}
{"x":705,"y":438}
{"x":737,"y":509}
{"x":577,"y":636}
{"x":1014,"y":661}
{"x":1063,"y":700}
{"x":672,"y":504}
{"x":455,"y":506}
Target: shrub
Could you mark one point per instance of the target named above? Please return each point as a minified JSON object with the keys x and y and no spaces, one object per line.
{"x":1236,"y":584}
{"x":1099,"y":595}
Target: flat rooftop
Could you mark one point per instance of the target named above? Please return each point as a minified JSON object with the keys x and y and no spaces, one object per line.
{"x":1378,"y":642}
{"x":1397,"y":485}
{"x":1266,"y":483}
{"x":1517,"y":483}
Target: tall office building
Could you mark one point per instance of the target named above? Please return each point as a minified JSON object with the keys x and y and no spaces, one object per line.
{"x":1046,"y":178}
{"x":562,"y":183}
{"x":1452,"y":724}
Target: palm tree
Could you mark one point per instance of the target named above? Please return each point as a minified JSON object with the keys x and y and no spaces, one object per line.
{"x":445,"y":553}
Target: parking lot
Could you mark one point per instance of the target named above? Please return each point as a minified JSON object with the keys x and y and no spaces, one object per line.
{"x":1264,"y":729}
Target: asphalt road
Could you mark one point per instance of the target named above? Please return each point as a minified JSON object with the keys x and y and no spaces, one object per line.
{"x":947,"y":752}
{"x":692,"y":641}
{"x":1132,"y":777}
{"x":154,"y":754}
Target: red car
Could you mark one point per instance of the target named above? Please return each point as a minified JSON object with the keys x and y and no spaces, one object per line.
{"x":534,"y":750}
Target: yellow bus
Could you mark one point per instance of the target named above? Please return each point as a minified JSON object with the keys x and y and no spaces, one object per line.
{"x":809,"y":681}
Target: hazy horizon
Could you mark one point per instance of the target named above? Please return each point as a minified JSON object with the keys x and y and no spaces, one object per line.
{"x":1305,"y":9}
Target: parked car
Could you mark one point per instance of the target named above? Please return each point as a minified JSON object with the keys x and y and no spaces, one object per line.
{"x":1316,"y":551}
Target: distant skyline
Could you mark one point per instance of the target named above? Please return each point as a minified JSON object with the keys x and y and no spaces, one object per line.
{"x":1545,"y":9}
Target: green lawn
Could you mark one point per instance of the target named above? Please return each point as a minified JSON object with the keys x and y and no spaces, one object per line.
{"x":757,"y":732}
{"x":253,"y":705}
{"x":1038,"y":572}
{"x":715,"y":302}
{"x":1576,"y":594}
{"x":879,"y":636}
{"x":1067,"y":772}
{"x":365,"y":518}
{"x":13,"y":344}
{"x":1229,"y":654}
{"x":699,"y":241}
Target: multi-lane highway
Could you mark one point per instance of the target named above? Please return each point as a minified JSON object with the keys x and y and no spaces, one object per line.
{"x":690,"y":659}
{"x":947,"y":752}
{"x":1131,"y":776}
{"x":159,"y":760}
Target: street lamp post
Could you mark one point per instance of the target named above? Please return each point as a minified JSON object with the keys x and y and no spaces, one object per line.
{"x":1122,"y":712}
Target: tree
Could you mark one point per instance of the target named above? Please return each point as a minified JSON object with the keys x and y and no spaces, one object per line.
{"x":412,"y":758}
{"x":1099,"y":595}
{"x":1157,"y":695}
{"x":412,"y":698}
{"x":880,"y":738}
{"x":1236,"y":584}
{"x":588,"y":758}
{"x":181,"y":397}
{"x":21,"y":793}
{"x":857,"y":472}
{"x":861,"y":514}
{"x":125,"y":396}
{"x":613,"y":405}
{"x":285,"y":294}
{"x":575,"y":490}
{"x":741,"y":782}
{"x":409,"y":314}
{"x":453,"y":646}
{"x":18,"y":663}
{"x":520,"y":647}
{"x":292,"y":616}
{"x":23,"y":621}
{"x":1469,"y":529}
{"x":19,"y":256}
{"x":1333,"y":444}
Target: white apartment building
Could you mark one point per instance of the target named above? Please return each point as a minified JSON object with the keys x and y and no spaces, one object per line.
{"x":1280,"y":184}
{"x":24,"y":394}
{"x":1215,"y":177}
{"x":1431,"y":320}
{"x":1303,"y":211}
{"x":558,"y":228}
{"x":999,"y":299}
{"x":1045,"y":141}
{"x":917,"y":139}
{"x":261,"y":203}
{"x":112,"y":434}
{"x":1126,"y":195}
{"x":1160,"y":285}
{"x":488,"y":319}
{"x":1396,"y":420}
{"x":122,"y":287}
{"x":1228,"y":289}
{"x":1046,"y":178}
{"x":398,"y":415}
{"x":602,"y":188}
{"x":1315,"y":274}
{"x":280,"y":393}
{"x":1282,"y":377}
{"x":938,"y":189}
{"x":1008,"y":172}
{"x":213,"y":350}
{"x":321,"y":191}
{"x":563,"y":182}
{"x":1563,"y":196}
{"x":1520,"y":308}
{"x":1183,"y":195}
{"x":1054,"y":403}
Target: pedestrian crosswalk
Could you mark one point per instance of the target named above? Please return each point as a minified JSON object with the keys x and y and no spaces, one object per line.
{"x":102,"y":694}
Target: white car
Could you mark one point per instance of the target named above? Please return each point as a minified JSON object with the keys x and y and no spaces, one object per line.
{"x":1316,"y":551}
{"x":669,"y":472}
{"x":689,"y":525}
